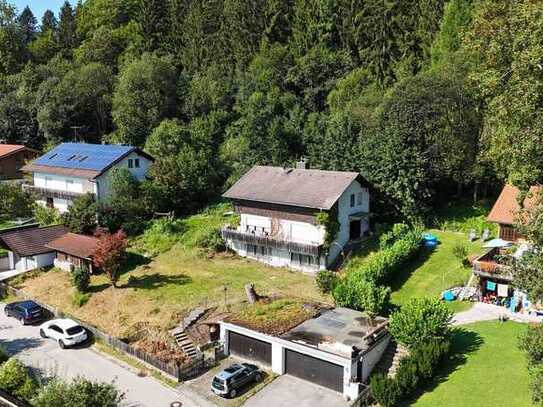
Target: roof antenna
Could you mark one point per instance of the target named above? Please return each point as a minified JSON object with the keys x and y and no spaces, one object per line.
{"x":76,"y":133}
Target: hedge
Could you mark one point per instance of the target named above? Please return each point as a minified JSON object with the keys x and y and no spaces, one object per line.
{"x":413,"y":372}
{"x":364,"y":288}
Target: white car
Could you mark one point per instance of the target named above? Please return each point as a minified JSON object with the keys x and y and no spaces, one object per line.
{"x":65,"y":331}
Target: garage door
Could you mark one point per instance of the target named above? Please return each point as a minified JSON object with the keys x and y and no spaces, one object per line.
{"x":249,"y":348}
{"x":314,"y":370}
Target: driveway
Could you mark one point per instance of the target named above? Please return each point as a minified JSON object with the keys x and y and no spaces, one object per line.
{"x":288,"y":391}
{"x":25,"y":343}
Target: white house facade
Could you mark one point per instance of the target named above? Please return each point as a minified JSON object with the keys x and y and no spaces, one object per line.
{"x":73,"y":169}
{"x":279,"y":212}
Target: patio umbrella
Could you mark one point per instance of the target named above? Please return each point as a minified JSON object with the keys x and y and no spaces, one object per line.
{"x":498,"y":243}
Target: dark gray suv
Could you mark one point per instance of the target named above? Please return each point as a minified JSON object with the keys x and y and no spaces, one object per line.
{"x":229,"y":382}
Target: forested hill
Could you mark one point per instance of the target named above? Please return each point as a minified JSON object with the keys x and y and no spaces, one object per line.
{"x":424,"y":97}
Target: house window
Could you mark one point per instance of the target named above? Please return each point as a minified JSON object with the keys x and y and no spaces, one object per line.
{"x":69,"y":184}
{"x":137,"y":163}
{"x":130,"y":163}
{"x":352,"y":200}
{"x":359,"y":198}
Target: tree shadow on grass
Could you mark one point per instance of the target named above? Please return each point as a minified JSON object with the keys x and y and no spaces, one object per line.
{"x":156,"y":280}
{"x":134,"y":260}
{"x":93,"y":289}
{"x":463,"y":343}
{"x":403,"y":275}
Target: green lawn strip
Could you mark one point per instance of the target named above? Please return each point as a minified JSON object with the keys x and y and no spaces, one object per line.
{"x":486,"y":369}
{"x":434,"y":270}
{"x":102,"y":347}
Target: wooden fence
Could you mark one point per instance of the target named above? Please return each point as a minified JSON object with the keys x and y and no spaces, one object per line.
{"x":175,"y":371}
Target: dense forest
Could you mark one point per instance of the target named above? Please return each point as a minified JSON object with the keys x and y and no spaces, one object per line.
{"x":426,"y":98}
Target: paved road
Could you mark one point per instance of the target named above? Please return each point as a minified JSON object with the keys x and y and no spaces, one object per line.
{"x":25,"y":343}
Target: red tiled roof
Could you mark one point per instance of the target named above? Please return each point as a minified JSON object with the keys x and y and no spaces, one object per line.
{"x":8,"y":149}
{"x":30,"y":241}
{"x":76,"y":245}
{"x":506,"y":207}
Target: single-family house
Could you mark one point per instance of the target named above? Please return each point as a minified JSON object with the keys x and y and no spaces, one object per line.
{"x":12,"y":159}
{"x":73,"y":250}
{"x":506,"y":208}
{"x":27,"y":246}
{"x":71,"y":170}
{"x":281,"y":215}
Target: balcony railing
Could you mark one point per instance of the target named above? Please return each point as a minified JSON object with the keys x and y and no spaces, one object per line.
{"x":52,"y":193}
{"x":489,"y":265}
{"x":313,"y":249}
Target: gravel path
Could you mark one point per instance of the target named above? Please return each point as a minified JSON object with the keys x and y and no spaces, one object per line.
{"x":488,"y":312}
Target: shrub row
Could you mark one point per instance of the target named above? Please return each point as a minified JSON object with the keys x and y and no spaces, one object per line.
{"x":413,"y":371}
{"x":365,"y":288}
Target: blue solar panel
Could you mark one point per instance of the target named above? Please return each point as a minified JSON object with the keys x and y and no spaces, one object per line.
{"x":83,"y":156}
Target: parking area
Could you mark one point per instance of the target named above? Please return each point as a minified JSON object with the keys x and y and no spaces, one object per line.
{"x":202,"y":385}
{"x":287,"y":391}
{"x":46,"y":356}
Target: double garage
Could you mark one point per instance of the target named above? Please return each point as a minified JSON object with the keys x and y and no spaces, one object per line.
{"x":297,"y":364}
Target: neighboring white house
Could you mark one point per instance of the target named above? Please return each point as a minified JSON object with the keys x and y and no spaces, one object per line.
{"x":71,"y":170}
{"x":27,"y":246}
{"x":279,"y":210}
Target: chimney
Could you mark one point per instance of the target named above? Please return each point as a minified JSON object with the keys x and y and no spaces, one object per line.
{"x":302,"y":164}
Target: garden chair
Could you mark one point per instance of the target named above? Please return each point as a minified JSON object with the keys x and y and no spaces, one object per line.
{"x":472,"y":235}
{"x":486,"y":235}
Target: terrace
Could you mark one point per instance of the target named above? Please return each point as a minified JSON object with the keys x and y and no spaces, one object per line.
{"x":52,"y":193}
{"x":267,"y":240}
{"x":495,"y":263}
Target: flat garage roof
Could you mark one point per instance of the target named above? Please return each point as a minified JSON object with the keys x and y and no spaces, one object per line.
{"x":336,"y":331}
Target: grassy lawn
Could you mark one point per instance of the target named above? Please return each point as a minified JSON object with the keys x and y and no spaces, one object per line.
{"x":488,"y":369}
{"x":435,"y":270}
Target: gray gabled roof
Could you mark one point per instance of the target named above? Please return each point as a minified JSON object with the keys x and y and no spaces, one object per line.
{"x":316,"y":189}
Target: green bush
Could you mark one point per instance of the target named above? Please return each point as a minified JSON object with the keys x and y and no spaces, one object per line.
{"x":419,"y":367}
{"x":15,"y":379}
{"x":212,"y":240}
{"x":79,"y":299}
{"x":387,"y":239}
{"x":362,"y":288}
{"x":326,"y":281}
{"x":160,"y":236}
{"x":419,"y":321}
{"x":384,"y":390}
{"x":362,"y":295}
{"x":531,"y":342}
{"x":46,"y":216}
{"x":536,"y":384}
{"x":460,"y":251}
{"x":81,"y":279}
{"x":3,"y":355}
{"x":78,"y":393}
